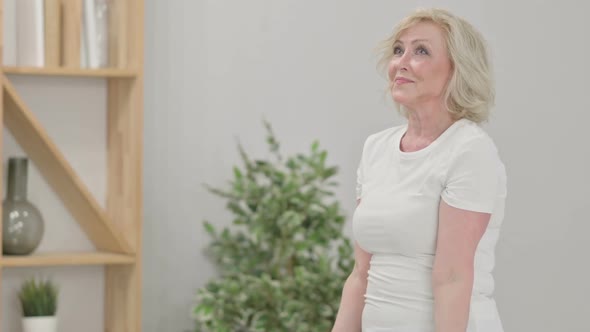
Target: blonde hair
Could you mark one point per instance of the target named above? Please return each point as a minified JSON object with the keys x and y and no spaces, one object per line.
{"x":470,"y":91}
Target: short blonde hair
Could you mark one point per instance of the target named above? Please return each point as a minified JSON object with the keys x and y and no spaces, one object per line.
{"x":470,"y":92}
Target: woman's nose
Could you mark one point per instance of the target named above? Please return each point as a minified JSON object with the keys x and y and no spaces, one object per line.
{"x":403,"y":61}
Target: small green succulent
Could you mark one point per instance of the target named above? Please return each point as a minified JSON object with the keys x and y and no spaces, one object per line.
{"x":38,"y":298}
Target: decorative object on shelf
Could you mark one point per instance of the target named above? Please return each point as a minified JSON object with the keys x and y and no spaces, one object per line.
{"x":38,"y":300}
{"x":284,"y":260}
{"x":22,"y":223}
{"x":96,"y":32}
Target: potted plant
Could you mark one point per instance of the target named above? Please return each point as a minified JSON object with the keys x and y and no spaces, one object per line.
{"x":38,"y":300}
{"x":284,"y":260}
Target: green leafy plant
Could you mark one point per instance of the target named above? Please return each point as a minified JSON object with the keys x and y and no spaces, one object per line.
{"x":38,"y":298}
{"x":284,"y":260}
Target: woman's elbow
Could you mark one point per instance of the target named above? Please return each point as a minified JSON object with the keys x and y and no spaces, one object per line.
{"x":452,"y":274}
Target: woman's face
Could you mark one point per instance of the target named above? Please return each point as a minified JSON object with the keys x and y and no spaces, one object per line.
{"x":420,"y":67}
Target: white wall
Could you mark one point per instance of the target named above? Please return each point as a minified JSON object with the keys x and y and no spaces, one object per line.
{"x":215,"y":68}
{"x":541,"y":55}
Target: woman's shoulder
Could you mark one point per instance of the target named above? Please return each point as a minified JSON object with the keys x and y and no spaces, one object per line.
{"x":472,"y":136}
{"x":472,"y":143}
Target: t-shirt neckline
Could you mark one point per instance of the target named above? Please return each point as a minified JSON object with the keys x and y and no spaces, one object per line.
{"x":425,"y":150}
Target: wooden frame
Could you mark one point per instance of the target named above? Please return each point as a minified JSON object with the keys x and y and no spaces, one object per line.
{"x":116,"y":230}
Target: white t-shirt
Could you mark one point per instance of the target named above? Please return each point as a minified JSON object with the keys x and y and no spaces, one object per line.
{"x":397,"y":222}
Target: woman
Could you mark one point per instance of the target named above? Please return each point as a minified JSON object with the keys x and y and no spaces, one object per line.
{"x":431,"y":192}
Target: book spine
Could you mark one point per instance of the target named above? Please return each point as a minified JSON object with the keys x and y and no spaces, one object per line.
{"x":30,"y":36}
{"x":9,"y":29}
{"x":91,"y":33}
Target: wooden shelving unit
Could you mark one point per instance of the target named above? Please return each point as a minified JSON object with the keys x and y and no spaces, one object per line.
{"x":115,"y":230}
{"x":62,"y":259}
{"x":105,"y":73}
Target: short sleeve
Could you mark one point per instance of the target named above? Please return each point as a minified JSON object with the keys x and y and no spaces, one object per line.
{"x":474,"y":176}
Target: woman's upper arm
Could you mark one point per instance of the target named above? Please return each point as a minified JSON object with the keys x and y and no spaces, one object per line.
{"x":459,"y":233}
{"x":475,"y":181}
{"x":361,"y":262}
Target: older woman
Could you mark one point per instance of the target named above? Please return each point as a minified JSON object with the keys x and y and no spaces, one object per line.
{"x":431,"y":192}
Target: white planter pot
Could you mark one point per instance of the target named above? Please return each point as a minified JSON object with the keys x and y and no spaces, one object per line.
{"x":40,"y":324}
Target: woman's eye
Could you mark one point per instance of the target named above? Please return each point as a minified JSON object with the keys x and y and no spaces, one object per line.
{"x":397,"y":50}
{"x":421,"y":50}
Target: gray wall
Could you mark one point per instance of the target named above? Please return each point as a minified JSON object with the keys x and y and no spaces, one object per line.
{"x":214,"y":68}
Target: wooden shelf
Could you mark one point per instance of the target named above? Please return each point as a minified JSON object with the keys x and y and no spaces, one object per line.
{"x":62,"y":259}
{"x":75,"y":72}
{"x":59,"y":174}
{"x":115,"y":229}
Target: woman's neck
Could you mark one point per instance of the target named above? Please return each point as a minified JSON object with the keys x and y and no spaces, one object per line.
{"x":425,"y":126}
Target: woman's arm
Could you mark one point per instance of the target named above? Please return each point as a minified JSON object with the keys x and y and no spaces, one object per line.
{"x":459,"y":233}
{"x":353,"y":294}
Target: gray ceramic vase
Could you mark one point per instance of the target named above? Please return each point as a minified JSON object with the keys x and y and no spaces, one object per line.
{"x":22,"y":223}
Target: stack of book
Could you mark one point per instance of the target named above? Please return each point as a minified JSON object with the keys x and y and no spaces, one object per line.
{"x":54,"y":33}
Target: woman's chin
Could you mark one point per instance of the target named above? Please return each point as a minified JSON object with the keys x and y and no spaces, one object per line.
{"x":400,"y":98}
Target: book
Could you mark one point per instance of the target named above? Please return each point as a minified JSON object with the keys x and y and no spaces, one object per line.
{"x":83,"y":46}
{"x":30,"y":35}
{"x":96,"y":24}
{"x":9,"y":28}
